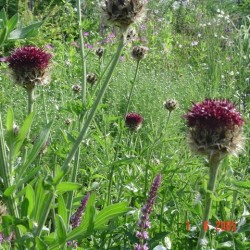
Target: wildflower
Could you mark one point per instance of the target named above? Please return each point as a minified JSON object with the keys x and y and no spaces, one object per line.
{"x":139,"y":52}
{"x":29,"y":66}
{"x":91,"y":78}
{"x":16,"y":129}
{"x":133,"y":121}
{"x":215,"y":126}
{"x":170,"y":105}
{"x":76,"y":88}
{"x":194,"y":43}
{"x":124,"y":12}
{"x":146,"y":210}
{"x":99,"y":52}
{"x":76,"y":218}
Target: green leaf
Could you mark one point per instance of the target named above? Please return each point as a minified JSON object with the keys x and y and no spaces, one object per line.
{"x":38,"y":145}
{"x":244,"y":228}
{"x":8,"y":191}
{"x":12,"y":22}
{"x":60,"y":229}
{"x":242,"y":184}
{"x":67,"y":186}
{"x":62,"y":209}
{"x":26,"y":32}
{"x":24,"y":130}
{"x":3,"y":35}
{"x":109,"y":213}
{"x":30,"y":196}
{"x":40,"y":244}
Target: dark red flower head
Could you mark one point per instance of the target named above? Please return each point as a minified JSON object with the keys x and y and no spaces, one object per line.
{"x":212,"y":114}
{"x":215,"y":128}
{"x":29,"y":57}
{"x":133,"y":121}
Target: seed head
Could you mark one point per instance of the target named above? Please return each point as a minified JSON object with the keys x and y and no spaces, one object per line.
{"x":170,"y":105}
{"x":133,"y":121}
{"x":99,"y":52}
{"x":76,"y":88}
{"x":68,"y":121}
{"x":139,"y":52}
{"x":215,"y":126}
{"x":29,"y":66}
{"x":124,"y":12}
{"x":91,"y":78}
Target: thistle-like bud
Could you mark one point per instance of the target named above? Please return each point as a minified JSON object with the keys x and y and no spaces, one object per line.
{"x":68,"y":121}
{"x":91,"y":78}
{"x":29,"y":66}
{"x":170,"y":105}
{"x":15,"y":129}
{"x":133,"y":121}
{"x":139,"y":52}
{"x":99,"y":52}
{"x":76,"y":88}
{"x":215,"y":127}
{"x":124,"y":12}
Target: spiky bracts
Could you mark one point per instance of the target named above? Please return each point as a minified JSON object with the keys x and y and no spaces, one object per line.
{"x":146,"y":210}
{"x":133,"y":121}
{"x":215,"y":127}
{"x":122,"y":13}
{"x":139,"y":52}
{"x":29,"y":66}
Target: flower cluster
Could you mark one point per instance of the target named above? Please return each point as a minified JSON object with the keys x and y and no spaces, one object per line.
{"x":215,"y":126}
{"x":146,"y":210}
{"x":29,"y":66}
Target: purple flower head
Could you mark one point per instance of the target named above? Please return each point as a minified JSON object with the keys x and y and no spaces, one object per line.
{"x":29,"y":66}
{"x":211,"y":114}
{"x":133,"y":121}
{"x":29,"y":57}
{"x":215,"y":126}
{"x":85,"y":34}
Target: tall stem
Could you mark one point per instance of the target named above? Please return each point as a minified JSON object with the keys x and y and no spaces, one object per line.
{"x":79,"y":13}
{"x":92,"y":112}
{"x":133,"y":85}
{"x":31,"y":99}
{"x":213,"y":171}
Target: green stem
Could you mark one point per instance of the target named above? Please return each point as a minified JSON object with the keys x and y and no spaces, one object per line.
{"x":31,"y":99}
{"x":79,"y":13}
{"x":213,"y":172}
{"x":6,"y":175}
{"x":84,"y":130}
{"x":132,"y":88}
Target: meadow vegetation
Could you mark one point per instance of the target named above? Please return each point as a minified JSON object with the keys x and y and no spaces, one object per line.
{"x":75,"y":173}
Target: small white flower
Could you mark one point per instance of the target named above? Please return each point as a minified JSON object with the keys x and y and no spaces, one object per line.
{"x":167,"y":243}
{"x":231,"y":73}
{"x":160,"y":247}
{"x":194,"y":43}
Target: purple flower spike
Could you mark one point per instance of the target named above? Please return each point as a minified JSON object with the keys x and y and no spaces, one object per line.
{"x":76,"y":218}
{"x":146,"y":210}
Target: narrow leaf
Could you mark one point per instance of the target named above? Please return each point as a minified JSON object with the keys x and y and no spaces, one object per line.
{"x":109,"y":213}
{"x":60,"y":229}
{"x":67,"y":186}
{"x":242,"y":184}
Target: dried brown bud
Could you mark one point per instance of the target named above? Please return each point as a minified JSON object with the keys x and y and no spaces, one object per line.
{"x":91,"y":78}
{"x":139,"y":52}
{"x":99,"y":52}
{"x":76,"y":88}
{"x":170,"y":105}
{"x":124,"y":12}
{"x":68,"y":121}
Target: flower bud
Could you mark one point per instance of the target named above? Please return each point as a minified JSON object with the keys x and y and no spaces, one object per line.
{"x":170,"y":105}
{"x":91,"y":78}
{"x":139,"y":52}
